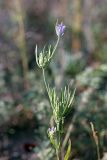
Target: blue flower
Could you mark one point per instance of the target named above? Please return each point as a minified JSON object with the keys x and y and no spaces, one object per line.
{"x":60,"y":28}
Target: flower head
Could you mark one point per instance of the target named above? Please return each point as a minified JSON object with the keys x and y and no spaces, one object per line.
{"x":52,"y":136}
{"x":51,"y":131}
{"x":60,"y":28}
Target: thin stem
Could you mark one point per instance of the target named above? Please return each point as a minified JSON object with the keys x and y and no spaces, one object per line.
{"x":55,"y":47}
{"x":98,"y":151}
{"x":21,"y":42}
{"x":36,"y":55}
{"x":46,"y":86}
{"x":57,"y":154}
{"x":59,"y":137}
{"x":96,"y":140}
{"x":58,"y":150}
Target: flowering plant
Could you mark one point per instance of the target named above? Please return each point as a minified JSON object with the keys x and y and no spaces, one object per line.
{"x":61,"y":106}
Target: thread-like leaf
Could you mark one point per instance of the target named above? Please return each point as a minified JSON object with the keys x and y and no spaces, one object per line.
{"x":70,"y":100}
{"x":49,"y":52}
{"x":36,"y":55}
{"x":72,"y":97}
{"x":68,"y":152}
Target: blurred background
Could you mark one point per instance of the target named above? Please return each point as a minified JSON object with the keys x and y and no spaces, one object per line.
{"x":80,"y":60}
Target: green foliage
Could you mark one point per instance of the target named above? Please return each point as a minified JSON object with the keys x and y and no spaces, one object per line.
{"x":61,"y":106}
{"x":90,"y":103}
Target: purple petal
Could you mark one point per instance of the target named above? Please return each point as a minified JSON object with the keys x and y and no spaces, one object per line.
{"x":60,"y":28}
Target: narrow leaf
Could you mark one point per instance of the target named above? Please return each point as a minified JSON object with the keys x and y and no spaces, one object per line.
{"x":67,"y":155}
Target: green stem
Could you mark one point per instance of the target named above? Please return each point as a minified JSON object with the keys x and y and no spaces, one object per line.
{"x":46,"y":86}
{"x":98,"y":151}
{"x":55,"y":47}
{"x":58,"y":150}
{"x":59,"y":139}
{"x":50,"y":58}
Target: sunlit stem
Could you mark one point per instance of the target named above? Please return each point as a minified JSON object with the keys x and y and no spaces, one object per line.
{"x":55,"y":47}
{"x":98,"y":151}
{"x":20,"y":40}
{"x":58,"y":149}
{"x":96,"y":140}
{"x":57,"y":154}
{"x":36,"y":56}
{"x":59,"y":126}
